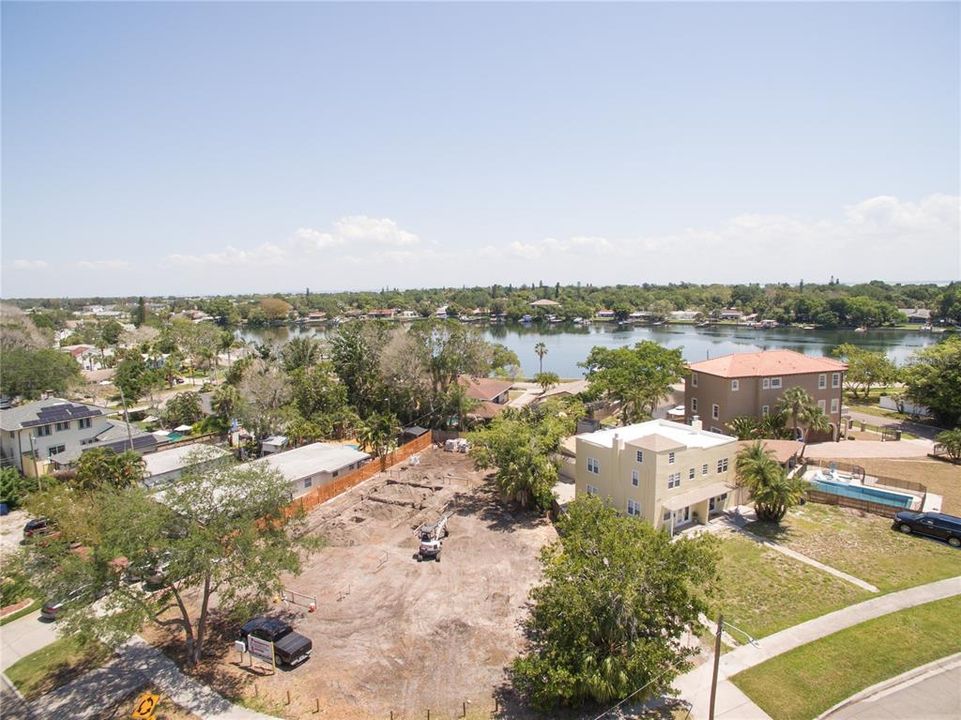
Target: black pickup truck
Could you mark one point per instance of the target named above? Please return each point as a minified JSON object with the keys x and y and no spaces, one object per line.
{"x":290,"y":648}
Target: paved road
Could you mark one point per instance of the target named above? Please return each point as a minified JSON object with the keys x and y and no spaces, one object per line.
{"x":934,"y":694}
{"x":924,"y":431}
{"x":24,"y":636}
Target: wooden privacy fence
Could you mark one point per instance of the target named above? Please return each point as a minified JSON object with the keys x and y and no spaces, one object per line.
{"x":323,"y":493}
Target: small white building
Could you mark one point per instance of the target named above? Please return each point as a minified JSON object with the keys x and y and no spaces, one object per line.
{"x":314,"y":465}
{"x":167,"y":465}
{"x":273,"y":444}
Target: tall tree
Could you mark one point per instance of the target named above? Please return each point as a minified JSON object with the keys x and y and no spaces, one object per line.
{"x":220,"y":534}
{"x":28,"y":373}
{"x":183,"y":409}
{"x":299,"y":353}
{"x":540,"y":349}
{"x":611,"y":617}
{"x":103,"y":467}
{"x":637,"y":377}
{"x":950,"y":440}
{"x":379,"y":434}
{"x":866,"y":369}
{"x":265,"y":390}
{"x":932,"y":378}
{"x":796,"y":404}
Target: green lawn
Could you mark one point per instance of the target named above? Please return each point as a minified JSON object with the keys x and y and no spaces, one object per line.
{"x":803,"y":683}
{"x":57,"y":664}
{"x":762,"y":591}
{"x":863,"y":546}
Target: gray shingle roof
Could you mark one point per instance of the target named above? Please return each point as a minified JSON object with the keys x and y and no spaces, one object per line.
{"x":46,"y":411}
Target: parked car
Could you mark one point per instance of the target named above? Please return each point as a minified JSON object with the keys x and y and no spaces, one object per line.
{"x":290,"y":647}
{"x":52,"y":608}
{"x":38,"y":527}
{"x":936,"y":525}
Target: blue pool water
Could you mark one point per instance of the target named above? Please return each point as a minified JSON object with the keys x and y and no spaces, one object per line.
{"x":864,"y":493}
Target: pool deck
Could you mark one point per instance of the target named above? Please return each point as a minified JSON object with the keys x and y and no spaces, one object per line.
{"x":923,"y":502}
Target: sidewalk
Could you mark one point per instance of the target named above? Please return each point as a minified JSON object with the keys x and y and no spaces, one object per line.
{"x":695,"y":687}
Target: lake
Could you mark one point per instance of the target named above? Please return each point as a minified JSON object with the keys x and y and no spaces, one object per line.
{"x":569,"y":344}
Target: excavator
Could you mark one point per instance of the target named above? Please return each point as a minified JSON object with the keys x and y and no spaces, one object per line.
{"x":431,"y":537}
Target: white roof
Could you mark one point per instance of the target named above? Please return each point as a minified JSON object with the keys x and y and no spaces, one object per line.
{"x":178,"y":458}
{"x":678,"y":432}
{"x":183,"y":428}
{"x":311,"y":459}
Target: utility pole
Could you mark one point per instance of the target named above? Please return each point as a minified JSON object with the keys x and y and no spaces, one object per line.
{"x":126,"y":418}
{"x":717,"y":660}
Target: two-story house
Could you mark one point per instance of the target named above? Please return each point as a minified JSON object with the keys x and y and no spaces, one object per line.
{"x":59,"y":430}
{"x":667,"y":473}
{"x":751,"y":384}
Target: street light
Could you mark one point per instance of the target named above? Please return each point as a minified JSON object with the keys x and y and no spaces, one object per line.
{"x":717,"y":656}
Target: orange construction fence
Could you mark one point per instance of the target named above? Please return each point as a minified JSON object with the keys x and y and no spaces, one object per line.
{"x":323,"y":493}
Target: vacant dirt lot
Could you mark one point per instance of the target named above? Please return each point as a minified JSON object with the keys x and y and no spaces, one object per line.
{"x":394,"y":634}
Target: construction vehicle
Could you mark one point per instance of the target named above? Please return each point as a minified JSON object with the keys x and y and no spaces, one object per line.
{"x":431,"y":538}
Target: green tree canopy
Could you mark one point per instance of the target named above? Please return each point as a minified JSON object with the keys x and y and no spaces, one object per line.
{"x":636,"y":377}
{"x":951,"y":441}
{"x":28,"y":373}
{"x":933,"y":378}
{"x":183,"y":409}
{"x":611,"y":616}
{"x":774,"y":493}
{"x":866,"y":369}
{"x":102,"y":467}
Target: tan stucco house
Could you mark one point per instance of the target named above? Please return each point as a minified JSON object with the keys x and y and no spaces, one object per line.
{"x":670,"y":474}
{"x":723,"y":388}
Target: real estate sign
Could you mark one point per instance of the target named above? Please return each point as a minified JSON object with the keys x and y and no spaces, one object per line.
{"x":262,"y":649}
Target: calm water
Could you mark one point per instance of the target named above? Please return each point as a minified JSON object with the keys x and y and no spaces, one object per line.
{"x":568,"y":345}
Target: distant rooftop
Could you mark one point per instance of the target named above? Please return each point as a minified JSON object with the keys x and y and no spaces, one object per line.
{"x":658,"y":435}
{"x":765,"y":363}
{"x":311,"y":459}
{"x":177,"y":458}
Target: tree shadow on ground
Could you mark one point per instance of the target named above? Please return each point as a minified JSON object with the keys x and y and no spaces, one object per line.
{"x":771,"y":531}
{"x":512,"y":707}
{"x":486,"y":503}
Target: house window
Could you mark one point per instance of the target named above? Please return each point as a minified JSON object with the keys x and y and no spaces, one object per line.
{"x":715,"y":411}
{"x":670,"y":458}
{"x":335,"y":473}
{"x":592,"y":489}
{"x":673,"y":480}
{"x":704,"y":469}
{"x":84,"y":423}
{"x":593,"y":466}
{"x":55,"y":449}
{"x":765,"y":410}
{"x":766,"y":384}
{"x":43,"y":431}
{"x":834,"y":405}
{"x":775,"y":383}
{"x":11,"y":433}
{"x":835,"y":380}
{"x":735,"y":385}
{"x":61,"y":426}
{"x":693,"y":379}
{"x":693,"y":404}
{"x":635,"y":478}
{"x":308,"y":482}
{"x":633,"y":507}
{"x":821,"y":404}
{"x":667,"y":516}
{"x":722,"y":465}
{"x":640,"y":456}
{"x":822,"y":381}
{"x":691,"y":473}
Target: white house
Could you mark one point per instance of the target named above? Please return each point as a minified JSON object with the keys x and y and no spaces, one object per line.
{"x":165,"y":466}
{"x":314,"y":465}
{"x":59,"y":430}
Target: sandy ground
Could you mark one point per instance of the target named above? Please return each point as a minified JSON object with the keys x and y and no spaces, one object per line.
{"x":11,"y":532}
{"x":394,"y":634}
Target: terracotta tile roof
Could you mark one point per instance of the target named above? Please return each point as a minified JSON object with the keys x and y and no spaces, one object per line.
{"x":484,"y":389}
{"x":768,"y":362}
{"x":783,"y":450}
{"x":487,"y":410}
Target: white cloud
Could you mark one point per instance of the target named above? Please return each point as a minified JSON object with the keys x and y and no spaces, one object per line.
{"x":103,"y":264}
{"x":268,"y":254}
{"x":308,"y":239}
{"x":30,"y":264}
{"x":376,"y":231}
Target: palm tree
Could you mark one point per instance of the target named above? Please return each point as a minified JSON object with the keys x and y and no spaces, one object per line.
{"x":950,"y":440}
{"x":814,"y":421}
{"x":745,"y":427}
{"x":773,"y":491}
{"x":300,"y":352}
{"x":796,"y":404}
{"x":226,"y":402}
{"x":378,"y":433}
{"x":541,"y":350}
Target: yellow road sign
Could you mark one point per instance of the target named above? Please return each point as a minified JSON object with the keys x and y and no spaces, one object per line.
{"x":144,"y":706}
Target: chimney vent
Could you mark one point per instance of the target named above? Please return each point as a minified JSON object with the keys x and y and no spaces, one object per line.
{"x":696,"y":424}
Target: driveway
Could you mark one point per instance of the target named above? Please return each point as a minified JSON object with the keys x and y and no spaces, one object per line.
{"x":869,"y":449}
{"x":924,"y":431}
{"x":23,"y":637}
{"x":933,"y":694}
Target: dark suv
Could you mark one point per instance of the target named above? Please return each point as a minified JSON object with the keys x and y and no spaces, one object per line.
{"x":936,"y":525}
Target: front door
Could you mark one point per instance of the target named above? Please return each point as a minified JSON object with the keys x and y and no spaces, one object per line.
{"x":682,"y":516}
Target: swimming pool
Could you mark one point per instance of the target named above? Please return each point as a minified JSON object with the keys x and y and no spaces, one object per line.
{"x":860,"y":492}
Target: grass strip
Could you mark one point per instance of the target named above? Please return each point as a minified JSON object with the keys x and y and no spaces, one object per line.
{"x":803,"y":683}
{"x":54,"y":665}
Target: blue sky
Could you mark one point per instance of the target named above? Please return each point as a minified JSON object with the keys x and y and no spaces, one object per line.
{"x":179,"y":148}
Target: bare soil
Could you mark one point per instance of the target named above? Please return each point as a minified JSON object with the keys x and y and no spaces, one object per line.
{"x":391,"y":633}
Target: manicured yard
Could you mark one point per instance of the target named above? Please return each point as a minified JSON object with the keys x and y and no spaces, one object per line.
{"x":940,"y":477}
{"x":862,"y":545}
{"x":762,"y":591}
{"x":803,"y":683}
{"x":55,"y":665}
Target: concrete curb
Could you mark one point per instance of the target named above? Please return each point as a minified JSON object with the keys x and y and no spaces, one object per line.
{"x":945,"y":663}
